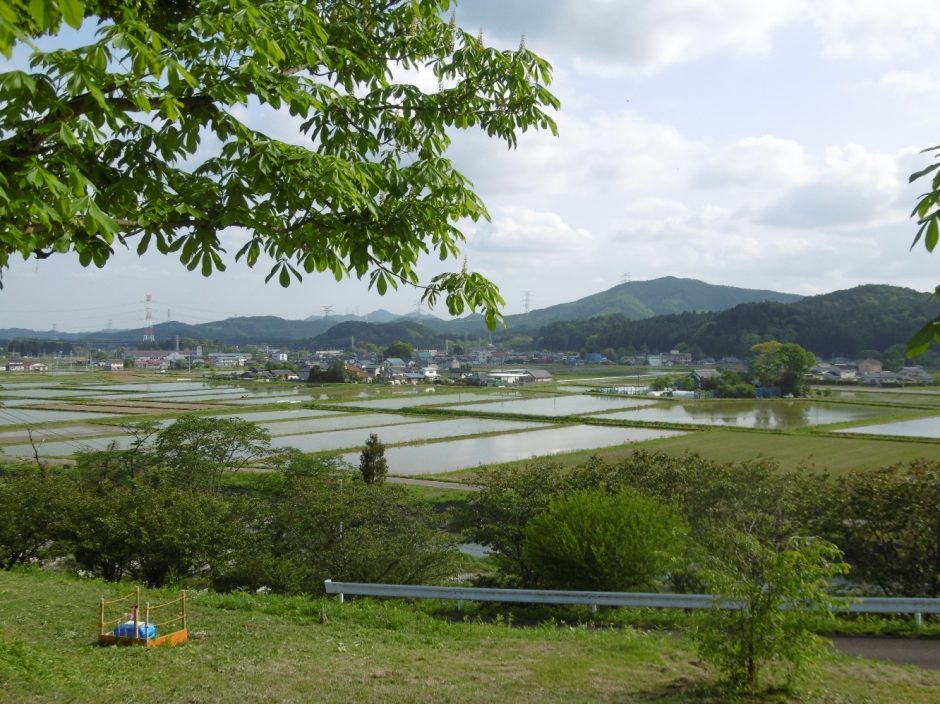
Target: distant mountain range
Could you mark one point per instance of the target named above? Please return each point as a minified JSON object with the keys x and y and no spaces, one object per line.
{"x":638,"y":300}
{"x":843,"y":323}
{"x":656,"y":314}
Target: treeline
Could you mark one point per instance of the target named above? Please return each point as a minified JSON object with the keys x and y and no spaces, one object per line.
{"x":884,"y":522}
{"x":34,"y":347}
{"x":842,"y":323}
{"x":166,"y":511}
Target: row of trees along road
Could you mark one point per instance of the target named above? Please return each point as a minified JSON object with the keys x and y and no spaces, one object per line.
{"x":168,"y":510}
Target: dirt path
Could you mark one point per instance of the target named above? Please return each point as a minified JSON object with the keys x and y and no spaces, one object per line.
{"x":923,"y":652}
{"x":434,"y":483}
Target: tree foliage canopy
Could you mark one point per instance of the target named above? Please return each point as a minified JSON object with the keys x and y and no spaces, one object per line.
{"x":781,"y":364}
{"x":609,"y":542}
{"x":927,"y":212}
{"x":138,"y":137}
{"x":372,"y":463}
{"x":779,"y":587}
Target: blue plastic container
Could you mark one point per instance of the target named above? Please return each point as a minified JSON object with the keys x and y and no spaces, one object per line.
{"x":144,"y":630}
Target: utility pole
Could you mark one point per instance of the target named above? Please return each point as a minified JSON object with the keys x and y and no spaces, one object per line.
{"x":527,"y":297}
{"x":149,"y":335}
{"x":326,"y":311}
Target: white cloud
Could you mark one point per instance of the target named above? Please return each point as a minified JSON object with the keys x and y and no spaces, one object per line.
{"x":911,"y":83}
{"x":524,"y":231}
{"x":853,"y":186}
{"x":633,"y":34}
{"x":603,"y":155}
{"x":876,"y":29}
{"x":755,"y":162}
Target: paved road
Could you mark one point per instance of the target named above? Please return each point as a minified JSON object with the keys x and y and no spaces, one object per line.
{"x":923,"y":652}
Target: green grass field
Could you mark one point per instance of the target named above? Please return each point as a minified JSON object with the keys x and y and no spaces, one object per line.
{"x":252,"y":648}
{"x":793,"y":451}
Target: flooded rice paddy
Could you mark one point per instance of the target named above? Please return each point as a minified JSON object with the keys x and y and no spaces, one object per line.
{"x":775,"y":414}
{"x":426,"y":399}
{"x":919,"y":428}
{"x":556,"y":405}
{"x":415,"y":444}
{"x":491,"y":449}
{"x":410,"y":432}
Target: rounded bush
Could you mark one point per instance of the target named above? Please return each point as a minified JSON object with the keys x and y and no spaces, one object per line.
{"x":596,"y":541}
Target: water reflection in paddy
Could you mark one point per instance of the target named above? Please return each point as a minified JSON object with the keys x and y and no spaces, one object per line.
{"x":319,"y":442}
{"x":160,"y":386}
{"x":59,"y":431}
{"x":16,"y":416}
{"x":269,"y":397}
{"x":776,"y":414}
{"x":557,"y":405}
{"x":407,"y":401}
{"x":65,"y":448}
{"x":287,"y":414}
{"x":343,"y":422}
{"x":46,"y":393}
{"x":177,"y":395}
{"x":919,"y":428}
{"x":473,"y":452}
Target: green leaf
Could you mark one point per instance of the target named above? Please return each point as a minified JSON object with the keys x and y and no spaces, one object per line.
{"x":73,"y":11}
{"x":923,"y":172}
{"x":933,"y":234}
{"x":37,"y":10}
{"x":923,"y":338}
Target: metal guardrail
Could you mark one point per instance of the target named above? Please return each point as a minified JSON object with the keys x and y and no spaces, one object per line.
{"x":869,"y":605}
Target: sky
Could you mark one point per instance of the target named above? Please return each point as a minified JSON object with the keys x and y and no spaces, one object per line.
{"x":754,"y":144}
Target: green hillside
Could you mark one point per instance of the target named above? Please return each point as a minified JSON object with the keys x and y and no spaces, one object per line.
{"x":637,"y":300}
{"x":383,"y":334}
{"x":850,"y":322}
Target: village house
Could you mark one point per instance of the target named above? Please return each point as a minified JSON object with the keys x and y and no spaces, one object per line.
{"x":705,"y":378}
{"x":512,"y":377}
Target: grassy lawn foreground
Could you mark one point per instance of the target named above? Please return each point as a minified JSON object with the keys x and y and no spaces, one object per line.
{"x":253,"y":648}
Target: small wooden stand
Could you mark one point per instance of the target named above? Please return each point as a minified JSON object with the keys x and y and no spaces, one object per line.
{"x":106,"y":627}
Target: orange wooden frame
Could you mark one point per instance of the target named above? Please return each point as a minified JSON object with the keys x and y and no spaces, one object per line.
{"x":177,"y":637}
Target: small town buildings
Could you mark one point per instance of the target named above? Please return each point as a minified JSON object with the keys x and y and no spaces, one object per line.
{"x":866,"y":366}
{"x":228,"y":360}
{"x":512,"y":377}
{"x":705,"y":378}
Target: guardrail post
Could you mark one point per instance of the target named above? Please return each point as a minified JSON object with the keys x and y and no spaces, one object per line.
{"x":459,"y":604}
{"x":593,"y":609}
{"x":918,"y":619}
{"x":339,"y":595}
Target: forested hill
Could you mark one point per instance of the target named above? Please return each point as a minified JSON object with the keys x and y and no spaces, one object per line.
{"x":342,"y":335}
{"x":636,"y":300}
{"x":846,"y":323}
